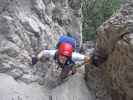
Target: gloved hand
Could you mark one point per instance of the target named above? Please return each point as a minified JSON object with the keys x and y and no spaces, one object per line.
{"x":99,"y":56}
{"x":34,"y":60}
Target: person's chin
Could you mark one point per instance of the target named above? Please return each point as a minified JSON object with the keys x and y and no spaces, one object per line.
{"x":62,"y":62}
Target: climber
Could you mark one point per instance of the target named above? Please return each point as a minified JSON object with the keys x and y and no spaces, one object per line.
{"x":65,"y":56}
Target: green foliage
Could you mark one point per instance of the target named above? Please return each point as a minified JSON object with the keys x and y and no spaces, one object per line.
{"x":94,"y":13}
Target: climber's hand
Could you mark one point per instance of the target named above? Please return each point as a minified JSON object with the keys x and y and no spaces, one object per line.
{"x":87,"y":60}
{"x":34,"y":60}
{"x":99,"y":56}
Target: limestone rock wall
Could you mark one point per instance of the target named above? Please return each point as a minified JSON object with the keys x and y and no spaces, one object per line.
{"x":28,"y":26}
{"x":116,"y":74}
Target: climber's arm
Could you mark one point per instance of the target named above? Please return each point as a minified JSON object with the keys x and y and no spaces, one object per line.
{"x":81,"y":58}
{"x":44,"y":53}
{"x":98,"y":57}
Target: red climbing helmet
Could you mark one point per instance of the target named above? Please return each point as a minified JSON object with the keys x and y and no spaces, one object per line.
{"x":65,"y":49}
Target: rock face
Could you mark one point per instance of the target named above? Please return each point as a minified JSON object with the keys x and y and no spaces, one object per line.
{"x":28,"y":26}
{"x":74,"y":89}
{"x":66,"y":91}
{"x":116,"y":74}
{"x":20,"y":91}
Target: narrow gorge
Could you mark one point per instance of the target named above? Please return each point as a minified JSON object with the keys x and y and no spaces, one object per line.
{"x":29,"y":26}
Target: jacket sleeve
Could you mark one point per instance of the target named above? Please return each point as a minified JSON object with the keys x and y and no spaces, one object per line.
{"x":46,"y":53}
{"x":77,"y":56}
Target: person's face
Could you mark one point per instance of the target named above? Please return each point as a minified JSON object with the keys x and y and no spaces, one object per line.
{"x":62,"y":59}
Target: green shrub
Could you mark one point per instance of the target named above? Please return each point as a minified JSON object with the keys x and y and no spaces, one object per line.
{"x":94,"y":13}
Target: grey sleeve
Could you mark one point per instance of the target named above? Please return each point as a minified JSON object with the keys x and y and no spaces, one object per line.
{"x":77,"y":56}
{"x":46,"y":53}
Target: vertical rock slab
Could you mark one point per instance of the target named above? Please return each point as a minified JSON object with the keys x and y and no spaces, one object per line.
{"x":27,"y":26}
{"x":116,"y":37}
